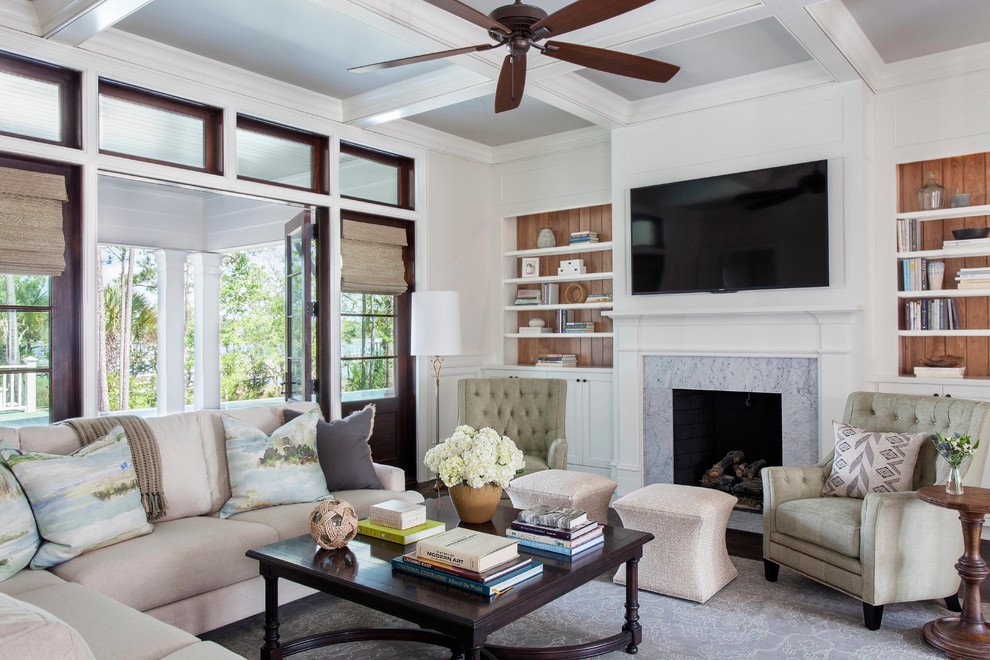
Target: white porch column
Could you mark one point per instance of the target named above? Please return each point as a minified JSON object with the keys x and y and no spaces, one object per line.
{"x":171,"y":330}
{"x":206,"y":314}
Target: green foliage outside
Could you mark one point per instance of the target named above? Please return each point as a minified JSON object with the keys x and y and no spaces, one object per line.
{"x":24,"y":338}
{"x":252,"y":324}
{"x":367,"y":331}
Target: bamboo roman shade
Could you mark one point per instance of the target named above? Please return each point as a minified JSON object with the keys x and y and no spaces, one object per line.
{"x":371,"y":257}
{"x":31,"y":238}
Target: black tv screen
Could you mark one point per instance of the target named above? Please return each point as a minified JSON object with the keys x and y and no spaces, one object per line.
{"x":763,"y":229}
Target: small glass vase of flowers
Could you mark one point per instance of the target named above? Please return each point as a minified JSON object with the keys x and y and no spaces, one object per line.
{"x":475,"y":465}
{"x":955,"y":450}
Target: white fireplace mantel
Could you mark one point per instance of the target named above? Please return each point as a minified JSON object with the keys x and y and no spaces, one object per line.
{"x":831,"y":336}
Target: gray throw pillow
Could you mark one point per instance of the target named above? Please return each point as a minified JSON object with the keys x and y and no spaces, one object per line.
{"x":343,"y":450}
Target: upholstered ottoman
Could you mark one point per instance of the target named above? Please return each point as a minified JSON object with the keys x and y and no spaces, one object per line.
{"x":687,"y":559}
{"x":564,"y":488}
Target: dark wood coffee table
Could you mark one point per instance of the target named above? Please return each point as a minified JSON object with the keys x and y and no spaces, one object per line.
{"x":446,"y":616}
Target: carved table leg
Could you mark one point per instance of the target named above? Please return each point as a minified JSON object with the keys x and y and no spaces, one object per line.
{"x":966,"y":635}
{"x":632,"y":606}
{"x":271,"y":649}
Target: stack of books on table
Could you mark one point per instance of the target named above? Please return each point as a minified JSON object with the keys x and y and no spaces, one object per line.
{"x":399,"y":522}
{"x":584,"y":237}
{"x":973,"y":278}
{"x":939,"y":372}
{"x":483,"y":563}
{"x":579,"y":327}
{"x":557,"y":360}
{"x":528,"y":297}
{"x":566,"y":532}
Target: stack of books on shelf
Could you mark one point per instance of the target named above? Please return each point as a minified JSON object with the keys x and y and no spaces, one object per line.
{"x":583,"y":237}
{"x":914,"y":274}
{"x":940,"y":372}
{"x":483,"y":563}
{"x":531,"y":330}
{"x":579,"y":327}
{"x":933,"y":314}
{"x":566,"y":532}
{"x":966,"y":243}
{"x":908,"y":235}
{"x":528,"y":297}
{"x":598,"y":297}
{"x":399,"y":522}
{"x":557,"y":360}
{"x":973,"y":278}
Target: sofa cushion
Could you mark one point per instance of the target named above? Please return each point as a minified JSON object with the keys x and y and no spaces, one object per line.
{"x":871,"y":461}
{"x":28,"y":580}
{"x":184,"y":473}
{"x":830,"y":522}
{"x":343,"y":449}
{"x":204,"y":651}
{"x":82,"y":501}
{"x":28,"y":631}
{"x":181,"y":559}
{"x":112,"y":630}
{"x":19,"y":538}
{"x":280,"y":468}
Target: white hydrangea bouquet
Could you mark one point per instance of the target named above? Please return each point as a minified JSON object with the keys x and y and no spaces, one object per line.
{"x":475,"y":458}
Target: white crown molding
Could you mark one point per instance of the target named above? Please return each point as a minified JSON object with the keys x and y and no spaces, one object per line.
{"x":434,"y":140}
{"x":416,"y":95}
{"x":582,"y":98}
{"x":19,"y":15}
{"x":143,"y":55}
{"x":581,"y":138}
{"x":791,"y":78}
{"x":842,"y":29}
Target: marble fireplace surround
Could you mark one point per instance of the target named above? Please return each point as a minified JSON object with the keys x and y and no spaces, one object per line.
{"x":795,"y":379}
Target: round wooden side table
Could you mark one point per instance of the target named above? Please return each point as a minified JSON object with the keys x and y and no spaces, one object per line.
{"x":966,"y":635}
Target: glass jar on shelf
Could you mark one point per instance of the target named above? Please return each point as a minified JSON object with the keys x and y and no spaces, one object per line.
{"x":931,"y":195}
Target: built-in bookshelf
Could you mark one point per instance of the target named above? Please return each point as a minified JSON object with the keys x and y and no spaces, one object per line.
{"x":578,"y":298}
{"x":950,"y":320}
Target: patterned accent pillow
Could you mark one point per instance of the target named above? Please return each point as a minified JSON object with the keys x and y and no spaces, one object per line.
{"x":872,"y":461}
{"x":265,"y":470}
{"x":19,"y":538}
{"x":83,"y":501}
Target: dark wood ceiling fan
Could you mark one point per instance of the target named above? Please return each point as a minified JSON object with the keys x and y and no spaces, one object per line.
{"x":519,"y":27}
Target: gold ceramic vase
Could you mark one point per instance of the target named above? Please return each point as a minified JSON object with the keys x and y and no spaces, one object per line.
{"x":475,"y":505}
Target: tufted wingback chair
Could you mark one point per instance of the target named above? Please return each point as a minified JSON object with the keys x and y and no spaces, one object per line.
{"x":528,"y":410}
{"x":887,"y":547}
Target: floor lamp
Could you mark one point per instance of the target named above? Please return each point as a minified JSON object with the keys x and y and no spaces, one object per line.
{"x":436,"y":331}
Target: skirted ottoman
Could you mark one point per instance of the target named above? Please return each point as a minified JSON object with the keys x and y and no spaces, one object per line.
{"x":687,"y":558}
{"x":564,"y":488}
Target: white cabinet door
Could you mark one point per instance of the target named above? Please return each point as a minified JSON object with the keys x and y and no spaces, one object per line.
{"x":598,"y":410}
{"x":574,"y":420}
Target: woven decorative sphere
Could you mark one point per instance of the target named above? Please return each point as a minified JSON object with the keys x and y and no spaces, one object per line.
{"x":333,"y":523}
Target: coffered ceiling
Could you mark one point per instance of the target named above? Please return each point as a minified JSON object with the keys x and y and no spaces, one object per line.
{"x":728,"y":50}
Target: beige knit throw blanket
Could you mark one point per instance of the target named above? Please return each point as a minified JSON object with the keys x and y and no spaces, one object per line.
{"x":144,"y":452}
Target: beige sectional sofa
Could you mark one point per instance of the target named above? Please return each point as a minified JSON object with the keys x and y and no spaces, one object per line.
{"x":148,"y":596}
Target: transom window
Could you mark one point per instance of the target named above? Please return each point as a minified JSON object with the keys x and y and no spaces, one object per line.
{"x":376,"y":176}
{"x":145,"y":125}
{"x":39,"y":101}
{"x":367,"y":337}
{"x":278,"y":154}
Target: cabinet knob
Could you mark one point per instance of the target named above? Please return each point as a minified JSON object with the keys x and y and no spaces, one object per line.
{"x":935,"y":394}
{"x":948,"y":396}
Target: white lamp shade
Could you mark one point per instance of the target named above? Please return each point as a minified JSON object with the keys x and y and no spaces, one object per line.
{"x":436,"y":323}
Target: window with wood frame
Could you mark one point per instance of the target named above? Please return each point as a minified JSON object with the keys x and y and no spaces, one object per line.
{"x":376,"y":176}
{"x":39,"y":101}
{"x":150,"y":126}
{"x":281,"y":155}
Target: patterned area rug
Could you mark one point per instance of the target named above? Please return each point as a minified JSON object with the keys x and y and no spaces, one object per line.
{"x":750,"y":618}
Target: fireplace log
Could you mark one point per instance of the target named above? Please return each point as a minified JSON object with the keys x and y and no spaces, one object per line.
{"x":748,"y":487}
{"x":740,"y":469}
{"x":726,"y":463}
{"x":753,"y":469}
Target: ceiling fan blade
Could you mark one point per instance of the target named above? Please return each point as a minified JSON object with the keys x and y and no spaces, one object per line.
{"x":421,"y":58}
{"x":511,"y":82}
{"x":583,"y":13}
{"x":623,"y":64}
{"x":470,"y":14}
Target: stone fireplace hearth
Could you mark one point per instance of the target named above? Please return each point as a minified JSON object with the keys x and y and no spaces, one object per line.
{"x":795,"y":379}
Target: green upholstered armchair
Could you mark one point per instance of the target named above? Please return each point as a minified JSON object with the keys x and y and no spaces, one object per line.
{"x":530,"y":411}
{"x":886,"y":547}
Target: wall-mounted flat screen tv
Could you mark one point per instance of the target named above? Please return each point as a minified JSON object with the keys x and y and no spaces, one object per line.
{"x":763,"y":229}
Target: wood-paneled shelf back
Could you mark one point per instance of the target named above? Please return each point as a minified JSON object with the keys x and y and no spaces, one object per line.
{"x":371,"y":258}
{"x":31,"y":238}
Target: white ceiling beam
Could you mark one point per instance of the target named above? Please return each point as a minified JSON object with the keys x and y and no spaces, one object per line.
{"x":798,"y":20}
{"x":74,"y":21}
{"x":582,"y":98}
{"x":429,"y":91}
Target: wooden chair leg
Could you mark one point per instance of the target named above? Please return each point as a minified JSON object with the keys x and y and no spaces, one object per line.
{"x":872,"y":614}
{"x":771,"y":570}
{"x":952,"y":603}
